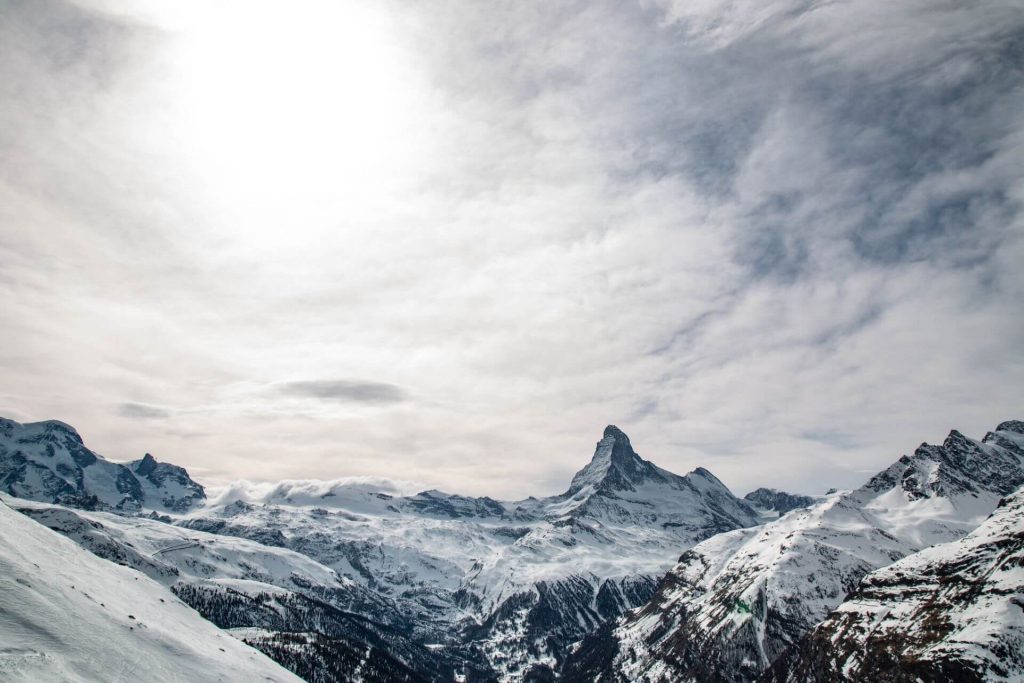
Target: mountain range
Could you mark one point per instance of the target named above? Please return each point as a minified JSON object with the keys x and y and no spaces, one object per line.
{"x":633,"y":573}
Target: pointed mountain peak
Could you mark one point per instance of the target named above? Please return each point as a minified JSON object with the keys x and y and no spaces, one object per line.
{"x":615,"y":464}
{"x":146,"y":465}
{"x":615,"y":433}
{"x":700,"y":471}
{"x":1015,"y":426}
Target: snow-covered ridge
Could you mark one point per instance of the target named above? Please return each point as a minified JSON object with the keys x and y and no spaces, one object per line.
{"x":735,"y":602}
{"x":953,"y":611}
{"x":47,"y":461}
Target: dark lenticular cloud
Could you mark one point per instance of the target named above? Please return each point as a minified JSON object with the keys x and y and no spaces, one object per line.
{"x":346,"y":391}
{"x":141,"y":411}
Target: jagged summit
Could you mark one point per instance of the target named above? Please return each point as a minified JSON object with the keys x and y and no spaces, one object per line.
{"x":615,"y":464}
{"x":146,"y":465}
{"x":1016,"y":426}
{"x":613,"y":431}
{"x":959,"y":466}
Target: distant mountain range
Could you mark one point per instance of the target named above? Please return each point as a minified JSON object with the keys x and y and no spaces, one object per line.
{"x":343,"y":581}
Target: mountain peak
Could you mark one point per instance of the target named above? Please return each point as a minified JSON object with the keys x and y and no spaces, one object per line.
{"x":616,"y":433}
{"x":614,"y":464}
{"x":1016,"y":426}
{"x":53,"y":429}
{"x":146,"y":465}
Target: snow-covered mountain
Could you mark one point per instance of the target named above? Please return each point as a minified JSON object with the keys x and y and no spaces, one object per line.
{"x":47,"y":461}
{"x":66,"y":615}
{"x":951,"y":612}
{"x":734,"y":603}
{"x":520,"y":581}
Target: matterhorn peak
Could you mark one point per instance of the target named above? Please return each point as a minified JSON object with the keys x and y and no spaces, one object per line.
{"x":613,"y":457}
{"x":616,"y":433}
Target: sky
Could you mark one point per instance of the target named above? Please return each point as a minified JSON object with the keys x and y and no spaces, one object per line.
{"x":449,"y":241}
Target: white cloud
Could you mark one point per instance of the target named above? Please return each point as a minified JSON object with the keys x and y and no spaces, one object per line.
{"x":778,"y":240}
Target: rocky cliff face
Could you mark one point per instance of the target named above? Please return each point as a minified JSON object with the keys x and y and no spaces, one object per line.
{"x":47,"y":461}
{"x":735,"y":603}
{"x":772,"y":503}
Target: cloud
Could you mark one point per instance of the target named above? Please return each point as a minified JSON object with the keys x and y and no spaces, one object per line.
{"x":346,"y":391}
{"x":781,"y":240}
{"x":351,"y":492}
{"x":140,"y":411}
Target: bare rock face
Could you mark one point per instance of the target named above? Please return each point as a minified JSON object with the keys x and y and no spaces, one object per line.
{"x":774,"y":503}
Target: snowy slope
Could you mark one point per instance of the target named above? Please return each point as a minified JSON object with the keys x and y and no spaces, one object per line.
{"x":66,"y":615}
{"x":239,"y":584}
{"x":734,"y":603}
{"x":953,"y":611}
{"x":47,"y":461}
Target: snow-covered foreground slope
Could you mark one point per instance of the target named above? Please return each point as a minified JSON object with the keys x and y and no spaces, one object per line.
{"x":734,"y":603}
{"x":47,"y":461}
{"x":241,"y":584}
{"x":66,"y":615}
{"x":951,"y":612}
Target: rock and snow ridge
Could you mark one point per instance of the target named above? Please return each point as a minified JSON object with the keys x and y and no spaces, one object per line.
{"x":737,"y":601}
{"x":772,"y":503}
{"x":66,"y":615}
{"x":951,"y":612}
{"x":47,"y":461}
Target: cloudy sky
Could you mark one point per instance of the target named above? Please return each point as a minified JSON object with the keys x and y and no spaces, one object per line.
{"x":450,"y":241}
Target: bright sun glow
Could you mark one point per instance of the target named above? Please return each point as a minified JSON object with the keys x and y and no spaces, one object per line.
{"x":295,"y":113}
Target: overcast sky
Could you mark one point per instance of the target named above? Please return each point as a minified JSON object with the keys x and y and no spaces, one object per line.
{"x":450,"y":241}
